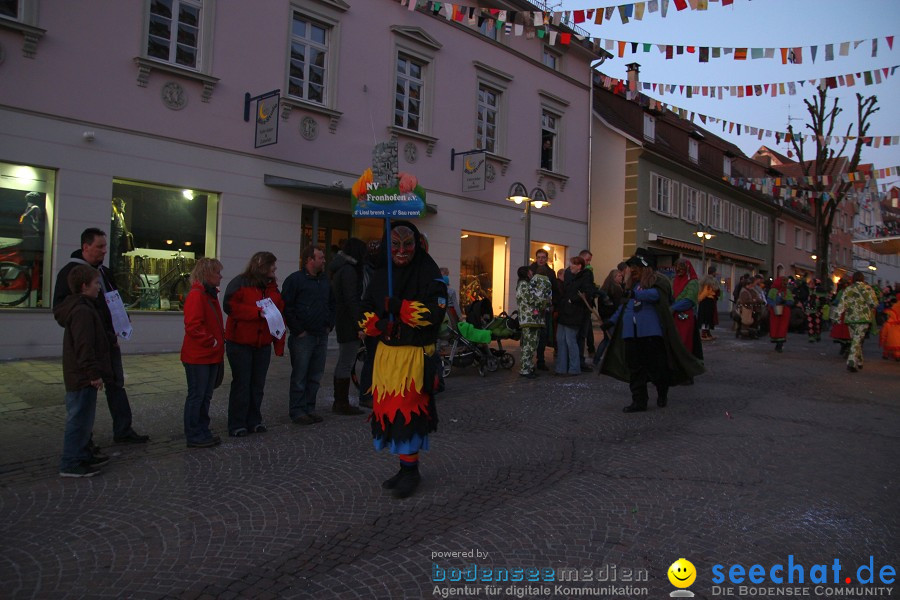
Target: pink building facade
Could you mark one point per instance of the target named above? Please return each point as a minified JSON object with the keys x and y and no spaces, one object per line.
{"x":129,"y":117}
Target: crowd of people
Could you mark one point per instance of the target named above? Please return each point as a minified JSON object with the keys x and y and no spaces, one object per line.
{"x":392,"y":298}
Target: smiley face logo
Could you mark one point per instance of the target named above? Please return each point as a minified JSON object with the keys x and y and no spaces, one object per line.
{"x":682,"y":573}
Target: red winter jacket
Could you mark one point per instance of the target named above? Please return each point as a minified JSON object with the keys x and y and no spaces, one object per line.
{"x":245,"y":325}
{"x":204,"y":332}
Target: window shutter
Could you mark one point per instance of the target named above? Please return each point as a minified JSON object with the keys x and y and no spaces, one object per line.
{"x":654,"y":191}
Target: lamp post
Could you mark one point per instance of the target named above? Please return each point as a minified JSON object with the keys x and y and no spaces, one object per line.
{"x":519,"y":194}
{"x":704,"y":236}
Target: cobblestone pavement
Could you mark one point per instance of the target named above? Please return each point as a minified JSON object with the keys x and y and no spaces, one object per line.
{"x":768,"y":455}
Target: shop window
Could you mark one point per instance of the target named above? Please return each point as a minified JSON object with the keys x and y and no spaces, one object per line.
{"x":26,"y":215}
{"x":482,"y":270}
{"x":156,"y":234}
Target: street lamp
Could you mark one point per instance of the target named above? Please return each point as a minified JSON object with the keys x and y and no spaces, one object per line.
{"x":704,"y":237}
{"x":519,"y":194}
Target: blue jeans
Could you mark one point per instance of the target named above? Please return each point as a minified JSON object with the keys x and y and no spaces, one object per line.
{"x":81,"y":406}
{"x":249,"y":367}
{"x":200,"y":382}
{"x":567,"y":360}
{"x":307,"y":366}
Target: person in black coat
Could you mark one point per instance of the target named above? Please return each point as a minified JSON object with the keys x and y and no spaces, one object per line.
{"x":572,"y":308}
{"x":346,"y":275}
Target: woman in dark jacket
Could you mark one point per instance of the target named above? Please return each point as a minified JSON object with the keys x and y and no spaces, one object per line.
{"x":248,"y":342}
{"x":577,"y":291}
{"x":202,"y":351}
{"x":346,"y":275}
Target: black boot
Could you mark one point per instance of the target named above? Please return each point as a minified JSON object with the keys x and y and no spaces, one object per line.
{"x":635,"y":406}
{"x":341,"y":404}
{"x":408,"y":481}
{"x":391,"y":483}
{"x":662,"y":396}
{"x":779,"y":346}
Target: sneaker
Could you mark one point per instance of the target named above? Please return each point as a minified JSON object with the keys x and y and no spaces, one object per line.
{"x":260,"y":428}
{"x":81,"y":470}
{"x":96,"y":461}
{"x":531,"y":375}
{"x":239,"y":432}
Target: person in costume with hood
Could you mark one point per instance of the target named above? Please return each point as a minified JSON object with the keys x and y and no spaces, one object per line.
{"x":406,"y":321}
{"x":779,"y":318}
{"x":644,"y":345}
{"x":686,"y":288}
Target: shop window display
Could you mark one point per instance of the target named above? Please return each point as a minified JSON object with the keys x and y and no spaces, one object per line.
{"x":25,"y":202}
{"x":482,"y":273}
{"x":156,"y":234}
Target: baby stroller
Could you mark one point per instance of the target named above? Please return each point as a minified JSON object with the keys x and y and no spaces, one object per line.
{"x":468,"y":346}
{"x":504,"y":327}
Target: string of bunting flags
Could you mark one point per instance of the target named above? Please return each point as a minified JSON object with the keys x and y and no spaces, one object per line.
{"x":789,"y":88}
{"x":797,"y":188}
{"x":538,"y":23}
{"x":619,"y":86}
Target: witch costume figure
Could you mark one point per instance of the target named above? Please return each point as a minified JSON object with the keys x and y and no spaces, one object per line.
{"x":405,"y":321}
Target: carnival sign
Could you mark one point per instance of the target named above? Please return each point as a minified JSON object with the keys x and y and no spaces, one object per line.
{"x":404,"y":200}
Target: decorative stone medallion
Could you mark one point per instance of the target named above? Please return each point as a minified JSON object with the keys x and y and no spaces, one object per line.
{"x":551,"y":190}
{"x":174,"y":96}
{"x":309,"y":128}
{"x":410,"y":152}
{"x":490,"y":173}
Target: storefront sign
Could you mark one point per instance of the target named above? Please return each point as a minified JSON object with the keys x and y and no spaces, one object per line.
{"x":473,"y":174}
{"x":406,"y":200}
{"x":267,"y":120}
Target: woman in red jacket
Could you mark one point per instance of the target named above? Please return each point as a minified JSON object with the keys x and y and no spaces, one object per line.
{"x":249,"y":342}
{"x":202,"y":351}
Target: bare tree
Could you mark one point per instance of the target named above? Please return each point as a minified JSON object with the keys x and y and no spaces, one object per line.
{"x":826,"y":199}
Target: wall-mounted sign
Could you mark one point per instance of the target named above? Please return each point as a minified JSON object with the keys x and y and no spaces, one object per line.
{"x":267,"y":120}
{"x":473,"y":174}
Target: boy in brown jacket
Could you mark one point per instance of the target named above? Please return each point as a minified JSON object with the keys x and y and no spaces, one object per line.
{"x":86,"y":365}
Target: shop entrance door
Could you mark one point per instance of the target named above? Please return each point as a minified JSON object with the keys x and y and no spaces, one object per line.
{"x":329,"y":229}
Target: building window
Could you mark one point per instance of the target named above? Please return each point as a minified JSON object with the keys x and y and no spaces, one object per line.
{"x":550,"y":59}
{"x":649,"y":127}
{"x":10,"y":8}
{"x":715,"y":218}
{"x":759,"y":228}
{"x":482,"y":269}
{"x":780,"y":234}
{"x":549,"y":140}
{"x":690,"y":204}
{"x":307,"y":75}
{"x":694,"y":150}
{"x":809,"y":241}
{"x":739,"y":224}
{"x":174,"y":32}
{"x":798,"y":238}
{"x":156,"y":234}
{"x":409,"y":93}
{"x":26,"y":219}
{"x":726,"y":166}
{"x":487,"y":124}
{"x":662,"y":195}
{"x":488,"y":29}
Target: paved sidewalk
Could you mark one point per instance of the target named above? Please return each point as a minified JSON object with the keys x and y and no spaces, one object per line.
{"x":768,"y":455}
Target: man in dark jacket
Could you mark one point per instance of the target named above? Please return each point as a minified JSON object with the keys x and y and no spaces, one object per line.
{"x":92,"y":253}
{"x":309,"y":312}
{"x":346,"y":275}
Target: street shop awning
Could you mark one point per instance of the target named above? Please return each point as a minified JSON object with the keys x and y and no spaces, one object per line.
{"x":338,"y":190}
{"x":710,"y":251}
{"x":885,"y":245}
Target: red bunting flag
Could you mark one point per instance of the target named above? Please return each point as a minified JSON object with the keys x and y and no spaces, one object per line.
{"x":740,"y":54}
{"x":579,"y":16}
{"x":680,"y":4}
{"x":565,"y":38}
